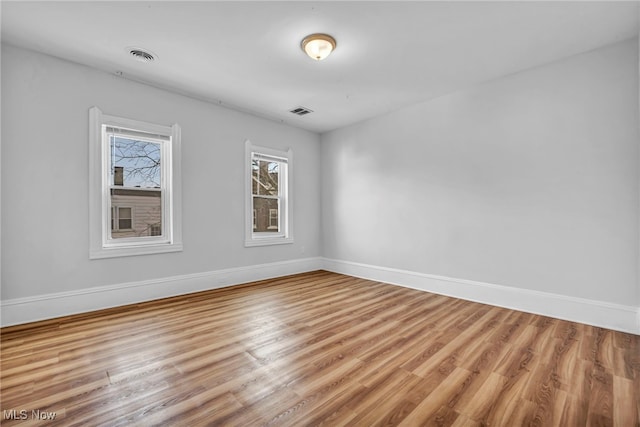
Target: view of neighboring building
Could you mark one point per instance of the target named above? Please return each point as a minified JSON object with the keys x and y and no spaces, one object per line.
{"x":135,"y":211}
{"x":265,"y":188}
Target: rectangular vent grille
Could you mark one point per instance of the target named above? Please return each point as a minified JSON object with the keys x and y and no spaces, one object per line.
{"x":301,"y":111}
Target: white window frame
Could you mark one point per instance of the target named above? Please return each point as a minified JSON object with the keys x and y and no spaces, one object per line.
{"x":285,"y":236}
{"x":100,"y":241}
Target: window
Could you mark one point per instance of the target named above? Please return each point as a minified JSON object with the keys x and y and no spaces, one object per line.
{"x":268,"y":176}
{"x":273,"y":219}
{"x":134,"y":175}
{"x":120,"y":219}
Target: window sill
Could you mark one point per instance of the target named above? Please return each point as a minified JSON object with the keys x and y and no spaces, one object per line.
{"x":268,"y":241}
{"x":114,"y":252}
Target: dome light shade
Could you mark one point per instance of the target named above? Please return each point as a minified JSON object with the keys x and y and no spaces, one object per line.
{"x":318,"y":46}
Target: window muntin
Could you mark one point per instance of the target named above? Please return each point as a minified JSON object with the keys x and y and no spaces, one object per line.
{"x":268,"y":197}
{"x":134,"y":171}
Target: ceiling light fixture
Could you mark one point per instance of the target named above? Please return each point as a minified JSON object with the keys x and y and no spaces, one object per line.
{"x":318,"y":46}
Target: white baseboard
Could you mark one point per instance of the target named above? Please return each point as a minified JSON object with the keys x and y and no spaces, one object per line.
{"x":618,"y":317}
{"x":41,"y":307}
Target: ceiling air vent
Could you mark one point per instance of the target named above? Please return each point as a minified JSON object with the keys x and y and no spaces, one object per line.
{"x":301,"y":111}
{"x":142,"y":55}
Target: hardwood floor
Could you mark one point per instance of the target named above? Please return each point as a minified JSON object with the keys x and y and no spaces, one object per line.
{"x":318,"y":349}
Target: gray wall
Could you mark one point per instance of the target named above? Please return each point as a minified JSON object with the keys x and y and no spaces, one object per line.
{"x":529,"y":181}
{"x":45,"y":119}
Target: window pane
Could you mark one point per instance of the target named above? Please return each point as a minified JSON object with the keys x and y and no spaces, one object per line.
{"x":138,"y":213}
{"x":266,"y":217}
{"x":265,"y":177}
{"x":135,"y":163}
{"x":135,"y":183}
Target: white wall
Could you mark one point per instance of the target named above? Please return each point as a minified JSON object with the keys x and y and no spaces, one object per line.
{"x":45,"y":231}
{"x":529,"y":181}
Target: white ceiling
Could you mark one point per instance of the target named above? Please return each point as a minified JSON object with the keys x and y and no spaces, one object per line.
{"x":247,"y":55}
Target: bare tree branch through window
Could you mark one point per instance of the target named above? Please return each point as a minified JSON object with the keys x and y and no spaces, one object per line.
{"x":139,"y":160}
